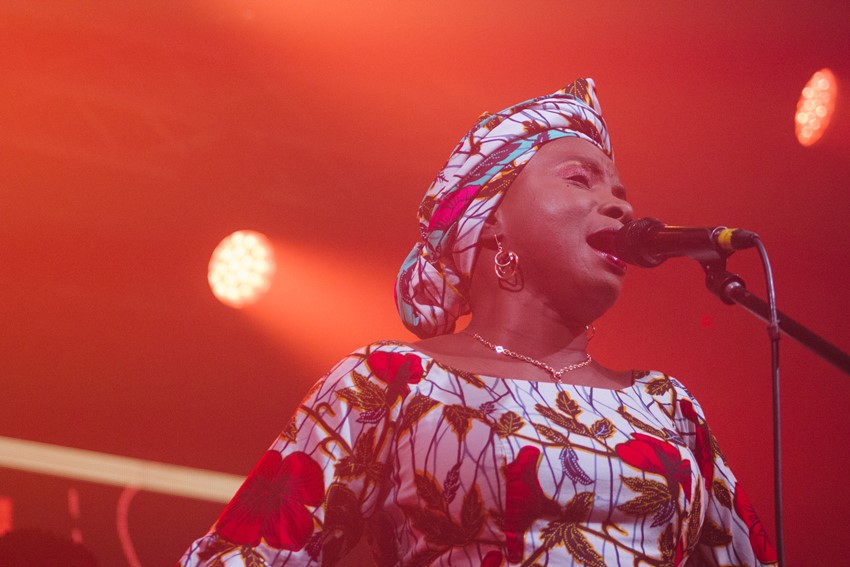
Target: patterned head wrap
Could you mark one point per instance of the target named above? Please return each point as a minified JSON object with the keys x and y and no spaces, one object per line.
{"x":431,"y":289}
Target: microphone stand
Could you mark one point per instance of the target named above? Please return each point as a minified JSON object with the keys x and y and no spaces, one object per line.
{"x":731,"y":289}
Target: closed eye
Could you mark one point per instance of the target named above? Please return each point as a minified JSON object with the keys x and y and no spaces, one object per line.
{"x":579,"y":178}
{"x":578,"y":172}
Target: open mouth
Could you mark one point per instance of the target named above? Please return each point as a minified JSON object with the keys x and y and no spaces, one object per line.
{"x":602,"y":243}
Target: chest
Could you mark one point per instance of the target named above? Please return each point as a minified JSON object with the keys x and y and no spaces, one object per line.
{"x":506,"y":442}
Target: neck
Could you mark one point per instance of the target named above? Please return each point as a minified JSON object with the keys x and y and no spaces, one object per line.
{"x":530,"y":329}
{"x":523,"y":318}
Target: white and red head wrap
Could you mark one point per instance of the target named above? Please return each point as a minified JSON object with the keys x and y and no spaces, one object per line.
{"x":431,"y":289}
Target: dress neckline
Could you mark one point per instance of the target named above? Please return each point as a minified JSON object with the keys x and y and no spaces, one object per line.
{"x":636,"y":375}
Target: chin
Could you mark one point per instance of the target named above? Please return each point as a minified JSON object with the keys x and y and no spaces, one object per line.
{"x":585,"y":298}
{"x":598,"y":300}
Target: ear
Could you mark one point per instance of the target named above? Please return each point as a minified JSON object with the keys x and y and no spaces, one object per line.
{"x":492,"y":228}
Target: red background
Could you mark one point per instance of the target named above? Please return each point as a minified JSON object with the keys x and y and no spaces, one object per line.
{"x":136,"y":135}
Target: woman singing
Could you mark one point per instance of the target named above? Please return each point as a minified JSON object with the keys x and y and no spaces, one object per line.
{"x":505,"y":443}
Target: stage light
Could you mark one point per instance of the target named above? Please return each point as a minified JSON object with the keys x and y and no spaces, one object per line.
{"x":111,"y":470}
{"x":815,"y":107}
{"x":241,"y":268}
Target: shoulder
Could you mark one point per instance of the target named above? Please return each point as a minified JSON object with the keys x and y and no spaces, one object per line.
{"x":659,"y":384}
{"x":675,"y":400}
{"x":386,"y":362}
{"x":667,"y":391}
{"x":374,"y":353}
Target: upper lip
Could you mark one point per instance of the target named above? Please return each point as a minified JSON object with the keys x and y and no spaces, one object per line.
{"x":604,"y":240}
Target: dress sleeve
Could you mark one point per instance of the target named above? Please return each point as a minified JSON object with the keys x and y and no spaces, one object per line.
{"x":731,"y":532}
{"x":314,"y":493}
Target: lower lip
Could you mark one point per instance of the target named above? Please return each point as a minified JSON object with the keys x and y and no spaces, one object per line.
{"x":616,"y":263}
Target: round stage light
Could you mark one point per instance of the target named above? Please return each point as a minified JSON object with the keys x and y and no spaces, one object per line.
{"x":815,"y":107}
{"x":241,"y":268}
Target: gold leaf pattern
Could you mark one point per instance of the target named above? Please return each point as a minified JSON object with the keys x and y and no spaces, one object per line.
{"x":570,"y":536}
{"x":638,"y":424}
{"x":579,"y":506}
{"x":581,"y":549}
{"x":470,"y":378}
{"x":508,"y":424}
{"x":713,"y":534}
{"x":658,"y":386}
{"x":460,"y":417}
{"x":715,"y":447}
{"x":452,"y":482}
{"x":552,"y":415}
{"x":472,"y":513}
{"x":654,"y":496}
{"x":362,"y":461}
{"x":219,"y":546}
{"x":435,"y":525}
{"x":567,"y":404}
{"x":558,"y":439}
{"x":694,"y":520}
{"x":667,"y":545}
{"x":365,"y":396}
{"x":415,"y":409}
{"x":429,"y":491}
{"x":603,"y":428}
{"x":251,"y":558}
{"x":561,"y":420}
{"x":290,"y":434}
{"x":721,"y":493}
{"x":555,"y":534}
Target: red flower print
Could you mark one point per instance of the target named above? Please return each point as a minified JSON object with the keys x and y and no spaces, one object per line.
{"x":688,"y":410}
{"x":703,"y":449}
{"x":271,"y":503}
{"x":492,"y":559}
{"x":524,"y":500}
{"x":758,"y":535}
{"x":653,"y":455}
{"x":396,"y":369}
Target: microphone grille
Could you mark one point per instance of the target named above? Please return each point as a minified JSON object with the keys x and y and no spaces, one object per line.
{"x":629,"y":242}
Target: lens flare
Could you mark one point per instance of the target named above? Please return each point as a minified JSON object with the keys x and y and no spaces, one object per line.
{"x":815,"y":107}
{"x":241,"y":268}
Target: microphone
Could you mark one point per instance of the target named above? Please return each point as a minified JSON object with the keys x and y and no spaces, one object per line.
{"x":648,"y":242}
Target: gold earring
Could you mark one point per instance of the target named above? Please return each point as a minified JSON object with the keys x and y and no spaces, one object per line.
{"x":505,"y":262}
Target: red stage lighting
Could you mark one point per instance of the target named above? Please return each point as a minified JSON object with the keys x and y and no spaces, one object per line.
{"x":815,"y":107}
{"x":241,"y":268}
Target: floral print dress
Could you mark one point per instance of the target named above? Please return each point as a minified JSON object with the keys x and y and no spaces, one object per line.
{"x":436,"y":466}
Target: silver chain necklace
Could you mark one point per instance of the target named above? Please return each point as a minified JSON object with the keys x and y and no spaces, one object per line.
{"x":556,"y":374}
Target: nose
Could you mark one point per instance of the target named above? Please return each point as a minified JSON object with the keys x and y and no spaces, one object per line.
{"x":617,"y":208}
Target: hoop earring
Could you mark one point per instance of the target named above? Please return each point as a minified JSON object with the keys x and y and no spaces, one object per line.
{"x":505,"y":262}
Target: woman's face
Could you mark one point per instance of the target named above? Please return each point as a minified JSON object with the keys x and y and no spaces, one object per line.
{"x":569,"y":191}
